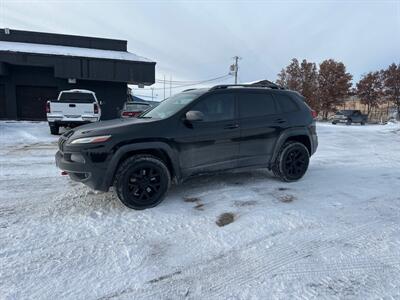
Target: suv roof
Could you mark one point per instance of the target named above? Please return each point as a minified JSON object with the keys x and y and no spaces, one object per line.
{"x":263,"y":85}
{"x":257,"y":86}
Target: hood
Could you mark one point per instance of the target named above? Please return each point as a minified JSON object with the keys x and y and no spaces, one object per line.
{"x":106,"y":127}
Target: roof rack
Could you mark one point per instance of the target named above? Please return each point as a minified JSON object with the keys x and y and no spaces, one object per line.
{"x":260,"y":84}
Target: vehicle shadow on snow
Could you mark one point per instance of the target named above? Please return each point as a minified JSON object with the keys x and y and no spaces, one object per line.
{"x":82,"y":200}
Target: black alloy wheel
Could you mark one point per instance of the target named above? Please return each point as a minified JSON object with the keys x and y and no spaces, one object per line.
{"x":295,"y":163}
{"x":292,"y":161}
{"x":142,"y":181}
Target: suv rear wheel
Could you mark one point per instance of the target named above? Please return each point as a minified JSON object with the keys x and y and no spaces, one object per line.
{"x":142,"y":181}
{"x":292,"y":161}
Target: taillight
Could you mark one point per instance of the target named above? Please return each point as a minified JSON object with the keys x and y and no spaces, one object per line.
{"x":95,"y":108}
{"x":130,"y":113}
{"x":48,"y":107}
{"x":314,"y":114}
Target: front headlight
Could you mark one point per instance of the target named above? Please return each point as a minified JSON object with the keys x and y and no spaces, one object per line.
{"x":92,"y":139}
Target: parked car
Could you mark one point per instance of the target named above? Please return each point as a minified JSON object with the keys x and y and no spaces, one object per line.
{"x":72,"y":108}
{"x":194,"y":132}
{"x":349,"y":116}
{"x":133,"y":109}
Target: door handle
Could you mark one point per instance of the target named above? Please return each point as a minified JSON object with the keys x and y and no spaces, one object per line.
{"x":231,"y":126}
{"x":280,"y":121}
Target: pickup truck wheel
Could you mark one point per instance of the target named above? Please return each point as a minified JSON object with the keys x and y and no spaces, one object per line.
{"x":362,"y":123}
{"x":54,"y":129}
{"x":291,"y":162}
{"x":142,"y":181}
{"x":349,"y":121}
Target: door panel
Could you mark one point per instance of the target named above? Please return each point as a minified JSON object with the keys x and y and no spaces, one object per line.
{"x":260,"y":126}
{"x":31,"y":101}
{"x":211,"y":144}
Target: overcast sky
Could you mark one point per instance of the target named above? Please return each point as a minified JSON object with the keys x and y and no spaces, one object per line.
{"x":195,"y":40}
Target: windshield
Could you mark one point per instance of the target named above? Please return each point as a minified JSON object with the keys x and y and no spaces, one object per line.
{"x":170,"y":106}
{"x":345,"y":112}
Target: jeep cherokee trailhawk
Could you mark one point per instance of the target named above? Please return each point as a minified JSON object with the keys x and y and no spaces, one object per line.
{"x":197,"y":131}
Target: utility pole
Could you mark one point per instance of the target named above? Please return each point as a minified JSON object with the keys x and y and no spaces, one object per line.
{"x":164,"y":87}
{"x":236,"y":68}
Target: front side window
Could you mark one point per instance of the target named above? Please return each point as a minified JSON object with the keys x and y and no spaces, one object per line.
{"x":170,"y":106}
{"x":217,"y":107}
{"x":256,"y":105}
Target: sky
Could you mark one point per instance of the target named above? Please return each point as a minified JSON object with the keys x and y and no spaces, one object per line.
{"x":196,"y":40}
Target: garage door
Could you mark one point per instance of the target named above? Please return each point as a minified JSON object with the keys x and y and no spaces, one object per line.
{"x":31,"y":101}
{"x":2,"y":102}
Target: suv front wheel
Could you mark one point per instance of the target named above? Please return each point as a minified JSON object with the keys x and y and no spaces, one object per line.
{"x":142,"y":181}
{"x":291,"y":162}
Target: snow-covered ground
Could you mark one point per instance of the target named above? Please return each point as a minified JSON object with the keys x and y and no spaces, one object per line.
{"x":335,"y":234}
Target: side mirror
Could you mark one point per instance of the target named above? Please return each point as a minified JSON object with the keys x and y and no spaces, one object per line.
{"x":194,"y":115}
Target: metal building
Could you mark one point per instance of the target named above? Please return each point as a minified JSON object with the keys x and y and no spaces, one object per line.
{"x":35,"y":66}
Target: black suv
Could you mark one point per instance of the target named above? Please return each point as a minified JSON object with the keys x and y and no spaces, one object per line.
{"x":196,"y":131}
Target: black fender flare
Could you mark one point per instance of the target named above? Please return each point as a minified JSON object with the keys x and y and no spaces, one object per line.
{"x":287,"y":134}
{"x":116,"y":158}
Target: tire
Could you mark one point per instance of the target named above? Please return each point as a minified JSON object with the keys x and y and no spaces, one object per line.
{"x":362,"y":123}
{"x":54,"y":129}
{"x":334,"y":123}
{"x":291,"y":162}
{"x":142,"y":181}
{"x":349,"y":121}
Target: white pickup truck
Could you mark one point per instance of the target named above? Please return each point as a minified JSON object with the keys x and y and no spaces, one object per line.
{"x":72,"y":108}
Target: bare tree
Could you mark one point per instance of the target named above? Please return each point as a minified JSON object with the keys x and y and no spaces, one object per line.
{"x":309,"y":83}
{"x":391,"y":77}
{"x":334,"y":85}
{"x":290,"y":77}
{"x":301,"y":78}
{"x":370,"y":89}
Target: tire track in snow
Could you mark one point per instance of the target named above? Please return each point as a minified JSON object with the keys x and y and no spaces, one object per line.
{"x":283,"y":257}
{"x":233,"y":270}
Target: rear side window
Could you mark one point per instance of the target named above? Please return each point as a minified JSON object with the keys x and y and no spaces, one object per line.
{"x":285,"y":103}
{"x":256,"y":105}
{"x":217,"y":107}
{"x":76,"y":97}
{"x":136,"y":107}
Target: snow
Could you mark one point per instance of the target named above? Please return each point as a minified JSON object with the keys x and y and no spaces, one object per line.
{"x":334,"y":234}
{"x":69,"y":51}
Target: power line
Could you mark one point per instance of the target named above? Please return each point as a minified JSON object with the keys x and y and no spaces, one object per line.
{"x":192,"y":84}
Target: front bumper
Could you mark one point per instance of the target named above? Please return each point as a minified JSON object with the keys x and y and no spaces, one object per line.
{"x":86,"y":172}
{"x":339,"y":120}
